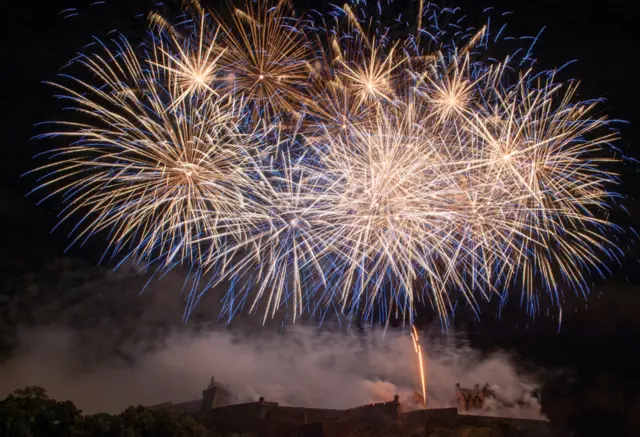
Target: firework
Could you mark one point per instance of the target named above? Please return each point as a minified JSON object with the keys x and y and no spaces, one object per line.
{"x":266,"y":60}
{"x":386,"y":208}
{"x":188,"y":62}
{"x":287,"y":243}
{"x":335,"y":165}
{"x":155,"y":170}
{"x":418,"y":350}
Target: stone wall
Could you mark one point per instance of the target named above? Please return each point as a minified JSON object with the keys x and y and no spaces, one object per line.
{"x":388,"y":411}
{"x":239,"y":418}
{"x":265,"y":419}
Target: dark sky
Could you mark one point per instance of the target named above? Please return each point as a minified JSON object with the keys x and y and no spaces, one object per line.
{"x":39,"y":40}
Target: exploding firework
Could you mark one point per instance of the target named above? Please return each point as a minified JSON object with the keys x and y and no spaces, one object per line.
{"x":154,"y":169}
{"x":334,"y":166}
{"x":189,"y":62}
{"x":266,"y":61}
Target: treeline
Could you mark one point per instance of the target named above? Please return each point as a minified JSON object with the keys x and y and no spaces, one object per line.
{"x":30,"y":412}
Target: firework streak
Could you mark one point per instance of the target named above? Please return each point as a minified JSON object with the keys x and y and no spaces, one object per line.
{"x":316,"y":162}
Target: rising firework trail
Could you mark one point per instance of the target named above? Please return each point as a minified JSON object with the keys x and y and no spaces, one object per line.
{"x":418,"y":350}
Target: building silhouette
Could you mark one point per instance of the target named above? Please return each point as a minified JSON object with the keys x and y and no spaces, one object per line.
{"x":264,"y":418}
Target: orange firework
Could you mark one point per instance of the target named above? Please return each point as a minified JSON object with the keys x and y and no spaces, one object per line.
{"x":418,"y":349}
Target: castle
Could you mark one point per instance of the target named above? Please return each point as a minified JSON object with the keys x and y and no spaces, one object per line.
{"x":471,"y":399}
{"x":269,"y":419}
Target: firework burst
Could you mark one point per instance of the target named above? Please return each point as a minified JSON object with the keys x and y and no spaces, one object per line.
{"x":296,"y":162}
{"x":266,"y":60}
{"x":189,"y":63}
{"x":150,"y":166}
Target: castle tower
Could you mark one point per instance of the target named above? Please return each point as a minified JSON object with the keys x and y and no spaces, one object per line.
{"x":213,"y":396}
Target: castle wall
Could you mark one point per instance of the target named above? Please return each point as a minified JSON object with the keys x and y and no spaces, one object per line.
{"x":388,"y":411}
{"x":312,"y":430}
{"x":268,"y":419}
{"x":517,"y":426}
{"x":303,"y":415}
{"x":415,"y":418}
{"x":283,"y":422}
{"x":239,"y":418}
{"x":338,"y":429}
{"x":449,"y":418}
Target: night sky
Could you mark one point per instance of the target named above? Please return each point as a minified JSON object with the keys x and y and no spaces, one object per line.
{"x":42,"y":285}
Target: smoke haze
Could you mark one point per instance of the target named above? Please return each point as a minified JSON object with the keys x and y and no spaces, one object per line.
{"x":85,"y":333}
{"x":302,"y":366}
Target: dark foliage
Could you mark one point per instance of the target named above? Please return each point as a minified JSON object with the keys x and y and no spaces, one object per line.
{"x":29,"y":412}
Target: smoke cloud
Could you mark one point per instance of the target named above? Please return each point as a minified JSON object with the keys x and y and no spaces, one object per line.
{"x":301,"y":366}
{"x":85,"y":333}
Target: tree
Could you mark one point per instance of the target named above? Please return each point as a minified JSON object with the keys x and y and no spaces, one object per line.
{"x":29,"y":412}
{"x":146,"y":422}
{"x":100,"y":425}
